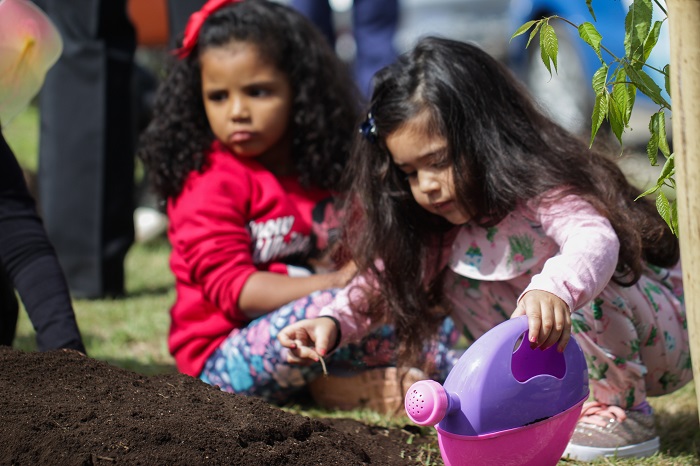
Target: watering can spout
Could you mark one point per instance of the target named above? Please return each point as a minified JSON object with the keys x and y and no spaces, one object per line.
{"x":427,"y":402}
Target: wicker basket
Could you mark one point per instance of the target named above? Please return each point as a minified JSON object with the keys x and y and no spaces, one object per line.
{"x":381,"y":390}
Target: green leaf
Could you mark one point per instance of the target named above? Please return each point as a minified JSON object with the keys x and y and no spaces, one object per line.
{"x":637,"y":26}
{"x":658,"y":123}
{"x":645,"y":84}
{"x":667,"y":79}
{"x":590,"y":9}
{"x":651,"y":190}
{"x":592,"y":37}
{"x":631,"y":96}
{"x":549,"y":46}
{"x":674,"y":217}
{"x":599,"y":79}
{"x":659,"y":140}
{"x":533,"y":33}
{"x":615,"y":118}
{"x":669,"y":168}
{"x":653,"y":145}
{"x":671,"y":217}
{"x":621,"y":96}
{"x":664,"y":208}
{"x":522,"y":29}
{"x":600,"y":111}
{"x":652,"y":39}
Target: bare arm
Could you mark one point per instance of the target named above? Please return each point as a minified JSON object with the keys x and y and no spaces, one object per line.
{"x":264,"y":292}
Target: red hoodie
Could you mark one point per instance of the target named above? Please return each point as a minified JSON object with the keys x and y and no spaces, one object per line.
{"x":233,"y":219}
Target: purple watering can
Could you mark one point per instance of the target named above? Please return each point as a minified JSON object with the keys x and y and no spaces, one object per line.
{"x":504,"y":403}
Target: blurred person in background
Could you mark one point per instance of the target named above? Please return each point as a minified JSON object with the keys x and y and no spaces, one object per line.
{"x":28,"y":263}
{"x":88,"y":132}
{"x":86,"y":151}
{"x":374,"y":25}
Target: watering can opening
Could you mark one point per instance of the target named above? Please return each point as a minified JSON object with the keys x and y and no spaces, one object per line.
{"x":527,"y":363}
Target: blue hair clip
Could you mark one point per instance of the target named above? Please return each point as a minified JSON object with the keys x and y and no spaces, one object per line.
{"x":368,"y":128}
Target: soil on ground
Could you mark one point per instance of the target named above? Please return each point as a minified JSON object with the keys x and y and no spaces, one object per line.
{"x":63,"y":408}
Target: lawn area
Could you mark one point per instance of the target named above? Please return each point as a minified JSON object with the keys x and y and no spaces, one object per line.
{"x":131,"y":333}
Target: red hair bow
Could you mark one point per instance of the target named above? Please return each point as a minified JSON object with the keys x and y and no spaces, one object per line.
{"x":194,"y":24}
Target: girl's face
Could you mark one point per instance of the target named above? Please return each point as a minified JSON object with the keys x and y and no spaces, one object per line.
{"x":423,"y":157}
{"x":248,"y":102}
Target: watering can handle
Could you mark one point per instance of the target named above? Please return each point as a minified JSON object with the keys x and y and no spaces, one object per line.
{"x":505,"y":335}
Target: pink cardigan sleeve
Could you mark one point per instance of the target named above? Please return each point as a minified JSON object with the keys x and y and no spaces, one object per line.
{"x":588,"y":252}
{"x":353,"y":327}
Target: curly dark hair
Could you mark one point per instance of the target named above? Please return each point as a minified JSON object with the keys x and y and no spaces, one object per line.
{"x":324,"y":108}
{"x":504,"y":151}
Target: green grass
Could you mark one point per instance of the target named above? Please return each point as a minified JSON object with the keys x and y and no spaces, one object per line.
{"x":131,"y":333}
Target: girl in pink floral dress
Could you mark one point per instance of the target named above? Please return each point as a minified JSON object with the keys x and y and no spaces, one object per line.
{"x":455,"y":153}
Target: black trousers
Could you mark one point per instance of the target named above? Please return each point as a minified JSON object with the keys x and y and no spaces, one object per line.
{"x":86,"y":153}
{"x":9,"y":309}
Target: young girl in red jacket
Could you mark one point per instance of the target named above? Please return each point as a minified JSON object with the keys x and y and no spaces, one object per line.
{"x":251,"y":131}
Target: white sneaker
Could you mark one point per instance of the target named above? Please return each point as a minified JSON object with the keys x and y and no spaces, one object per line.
{"x":610,"y":431}
{"x":149,"y":223}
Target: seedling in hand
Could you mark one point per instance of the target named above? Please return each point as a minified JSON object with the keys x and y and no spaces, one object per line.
{"x":319,"y":358}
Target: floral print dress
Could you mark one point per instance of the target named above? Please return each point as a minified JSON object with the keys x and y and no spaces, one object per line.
{"x":634,"y":338}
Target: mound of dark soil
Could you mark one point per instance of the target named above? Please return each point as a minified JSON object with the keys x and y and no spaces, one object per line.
{"x":63,"y":408}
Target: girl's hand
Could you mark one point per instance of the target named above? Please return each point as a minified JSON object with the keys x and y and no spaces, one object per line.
{"x":308,"y":339}
{"x":548,"y":318}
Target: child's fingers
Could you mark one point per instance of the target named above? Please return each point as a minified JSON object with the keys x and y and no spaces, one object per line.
{"x":294,"y":335}
{"x":303,"y":351}
{"x":534,"y":325}
{"x":552,"y":326}
{"x":556,"y":325}
{"x":566,"y":333}
{"x":322,"y":343}
{"x":294,"y":356}
{"x":529,"y":306}
{"x":519,"y":311}
{"x":552,"y":323}
{"x":548,"y":317}
{"x":285,"y":339}
{"x":322,"y":336}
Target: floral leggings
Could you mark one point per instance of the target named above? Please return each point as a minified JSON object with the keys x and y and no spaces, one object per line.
{"x":251,"y":361}
{"x":634,"y":338}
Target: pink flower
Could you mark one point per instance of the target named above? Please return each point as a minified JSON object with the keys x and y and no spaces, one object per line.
{"x":518,"y":257}
{"x":31,"y":44}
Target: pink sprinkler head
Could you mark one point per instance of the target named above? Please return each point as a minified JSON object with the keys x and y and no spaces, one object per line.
{"x":29,"y":45}
{"x":427,"y":402}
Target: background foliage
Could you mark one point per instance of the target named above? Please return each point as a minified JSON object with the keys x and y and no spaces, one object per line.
{"x":617,"y":81}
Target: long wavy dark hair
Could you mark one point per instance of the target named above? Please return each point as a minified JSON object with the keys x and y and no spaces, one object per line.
{"x":504,"y":151}
{"x":324,"y":108}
